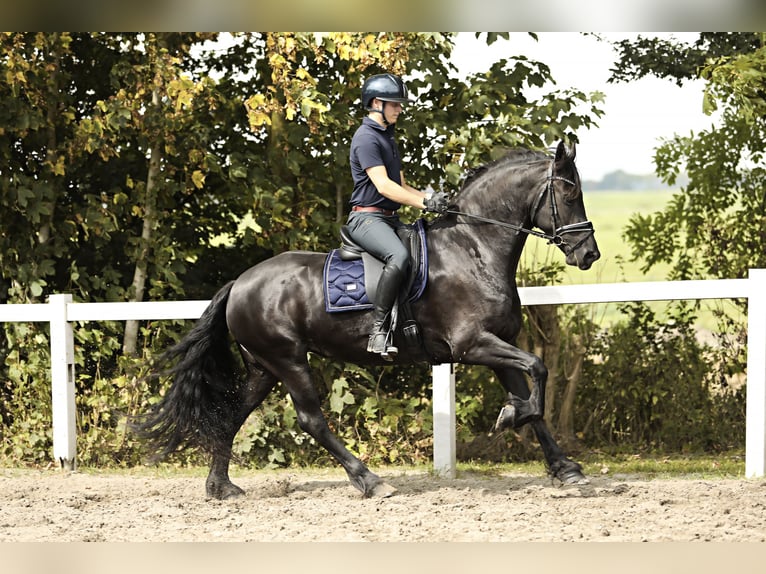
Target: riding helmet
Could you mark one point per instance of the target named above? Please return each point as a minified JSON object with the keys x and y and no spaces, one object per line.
{"x":386,"y":87}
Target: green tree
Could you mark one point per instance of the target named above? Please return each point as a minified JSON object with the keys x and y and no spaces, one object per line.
{"x":86,"y":119}
{"x":714,"y":226}
{"x":159,"y":165}
{"x":677,"y":61}
{"x":101,"y":138}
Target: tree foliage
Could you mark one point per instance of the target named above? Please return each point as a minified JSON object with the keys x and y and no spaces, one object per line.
{"x":654,"y":386}
{"x":714,"y":226}
{"x":137,"y":150}
{"x":677,"y":61}
{"x":159,"y":165}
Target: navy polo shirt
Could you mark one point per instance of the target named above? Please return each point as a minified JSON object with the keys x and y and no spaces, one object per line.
{"x":373,"y":145}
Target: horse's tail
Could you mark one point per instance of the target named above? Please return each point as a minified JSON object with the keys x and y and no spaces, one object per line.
{"x":196,"y":410}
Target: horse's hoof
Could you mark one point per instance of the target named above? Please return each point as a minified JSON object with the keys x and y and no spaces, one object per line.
{"x":224,"y":491}
{"x":573,"y":477}
{"x":381,"y":490}
{"x":506,"y":419}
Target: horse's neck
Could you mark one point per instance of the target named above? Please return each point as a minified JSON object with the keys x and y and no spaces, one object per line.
{"x":497,"y":249}
{"x":506,"y":194}
{"x":518,"y":249}
{"x":497,"y":245}
{"x":513,"y":208}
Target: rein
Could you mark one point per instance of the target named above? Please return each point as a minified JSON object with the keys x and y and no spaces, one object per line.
{"x":551,"y":238}
{"x":559,"y":231}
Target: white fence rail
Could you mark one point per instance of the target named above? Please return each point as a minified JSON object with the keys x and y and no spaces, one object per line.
{"x":61,"y":312}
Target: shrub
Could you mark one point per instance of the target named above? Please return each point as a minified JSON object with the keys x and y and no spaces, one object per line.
{"x":653,"y":385}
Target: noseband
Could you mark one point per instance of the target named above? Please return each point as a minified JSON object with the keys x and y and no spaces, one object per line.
{"x":559,"y":232}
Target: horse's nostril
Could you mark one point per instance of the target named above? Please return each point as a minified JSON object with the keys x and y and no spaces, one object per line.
{"x":592,"y":256}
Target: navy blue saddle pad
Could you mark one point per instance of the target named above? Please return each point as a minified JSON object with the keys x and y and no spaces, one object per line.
{"x":344,"y":281}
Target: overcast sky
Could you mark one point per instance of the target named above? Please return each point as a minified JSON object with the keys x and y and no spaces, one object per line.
{"x":637,"y":114}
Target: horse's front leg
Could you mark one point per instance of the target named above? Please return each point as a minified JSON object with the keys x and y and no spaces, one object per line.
{"x":500,"y":356}
{"x":558,"y":465}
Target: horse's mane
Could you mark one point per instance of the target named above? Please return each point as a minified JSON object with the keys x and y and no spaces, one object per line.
{"x":513,"y":156}
{"x":518,"y":156}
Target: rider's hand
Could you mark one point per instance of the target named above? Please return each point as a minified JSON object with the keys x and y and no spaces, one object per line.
{"x":436,"y":202}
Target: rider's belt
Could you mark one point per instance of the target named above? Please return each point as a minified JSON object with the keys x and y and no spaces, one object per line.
{"x":372,"y":208}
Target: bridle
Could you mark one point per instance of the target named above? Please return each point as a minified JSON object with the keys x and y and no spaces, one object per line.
{"x":558,"y":238}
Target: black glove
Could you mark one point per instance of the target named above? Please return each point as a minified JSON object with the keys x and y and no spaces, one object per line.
{"x":437,"y":203}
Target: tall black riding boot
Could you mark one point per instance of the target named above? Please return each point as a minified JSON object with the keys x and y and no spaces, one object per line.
{"x":385,"y":296}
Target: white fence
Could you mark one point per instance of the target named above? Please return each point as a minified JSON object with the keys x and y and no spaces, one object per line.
{"x":61,"y":312}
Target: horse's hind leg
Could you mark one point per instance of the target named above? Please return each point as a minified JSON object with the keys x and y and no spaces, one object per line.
{"x":559,"y":466}
{"x":257,"y":387}
{"x":296,"y":376}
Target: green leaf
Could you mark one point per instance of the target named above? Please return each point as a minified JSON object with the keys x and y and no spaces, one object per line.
{"x":340,"y":395}
{"x":23,"y":196}
{"x":36,"y":288}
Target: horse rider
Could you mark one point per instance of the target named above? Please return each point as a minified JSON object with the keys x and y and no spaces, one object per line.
{"x":379,"y":191}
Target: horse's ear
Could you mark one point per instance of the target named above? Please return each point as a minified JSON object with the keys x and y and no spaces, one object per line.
{"x":563,"y":151}
{"x":572,"y":151}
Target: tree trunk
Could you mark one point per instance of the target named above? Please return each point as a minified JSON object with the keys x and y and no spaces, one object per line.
{"x":147,"y":236}
{"x":44,"y":232}
{"x":547,"y":340}
{"x":565,"y":428}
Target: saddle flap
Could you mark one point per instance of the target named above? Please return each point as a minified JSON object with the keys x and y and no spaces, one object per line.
{"x":343,"y":283}
{"x":351,"y":274}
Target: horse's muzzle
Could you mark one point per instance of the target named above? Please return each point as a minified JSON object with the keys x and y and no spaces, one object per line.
{"x":581,"y":252}
{"x":586,"y":259}
{"x":584,"y":255}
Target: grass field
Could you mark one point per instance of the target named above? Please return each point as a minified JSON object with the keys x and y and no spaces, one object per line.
{"x":610,"y":212}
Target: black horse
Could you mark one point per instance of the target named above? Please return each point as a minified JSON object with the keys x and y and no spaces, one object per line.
{"x":469,"y":313}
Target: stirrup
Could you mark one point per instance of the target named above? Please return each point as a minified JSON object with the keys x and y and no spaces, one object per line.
{"x":381,"y":342}
{"x":391,"y":351}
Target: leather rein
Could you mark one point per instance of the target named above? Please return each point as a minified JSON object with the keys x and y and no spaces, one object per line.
{"x":559,"y":231}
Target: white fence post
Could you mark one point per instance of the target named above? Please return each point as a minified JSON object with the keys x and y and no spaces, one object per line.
{"x":444,"y":420}
{"x":62,"y":383}
{"x":755,"y":431}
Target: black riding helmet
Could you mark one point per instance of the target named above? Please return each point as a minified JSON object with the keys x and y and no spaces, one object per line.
{"x":385,"y":87}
